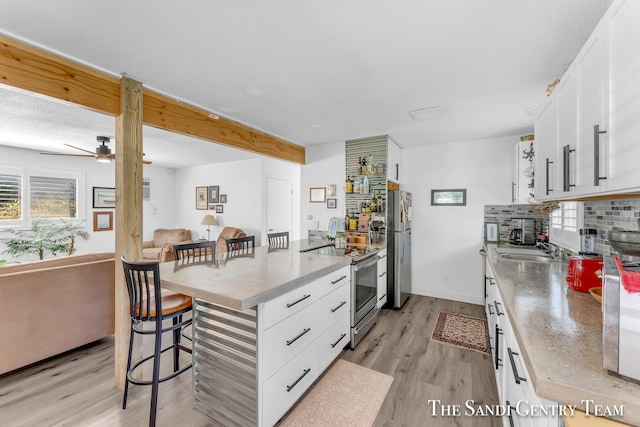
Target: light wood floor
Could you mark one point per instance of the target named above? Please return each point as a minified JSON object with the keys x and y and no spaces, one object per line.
{"x":76,"y":389}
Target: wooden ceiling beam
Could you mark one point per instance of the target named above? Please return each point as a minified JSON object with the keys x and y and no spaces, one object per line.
{"x":32,"y":69}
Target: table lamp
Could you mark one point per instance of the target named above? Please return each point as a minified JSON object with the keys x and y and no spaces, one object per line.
{"x":208,"y":220}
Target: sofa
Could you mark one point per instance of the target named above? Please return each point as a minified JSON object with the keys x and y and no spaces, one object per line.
{"x":52,"y":306}
{"x":227,"y":233}
{"x":161,"y":247}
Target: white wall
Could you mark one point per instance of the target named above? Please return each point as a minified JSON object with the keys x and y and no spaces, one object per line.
{"x":325,"y":165}
{"x":97,"y":175}
{"x":446,"y":240}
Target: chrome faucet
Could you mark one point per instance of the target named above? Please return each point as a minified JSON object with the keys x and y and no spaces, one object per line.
{"x":552,"y":250}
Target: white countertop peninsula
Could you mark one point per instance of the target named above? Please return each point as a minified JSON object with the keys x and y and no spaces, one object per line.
{"x":244,"y":282}
{"x":559,"y":333}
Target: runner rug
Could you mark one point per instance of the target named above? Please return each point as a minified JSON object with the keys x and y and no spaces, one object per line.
{"x":347,"y":395}
{"x":461,"y":331}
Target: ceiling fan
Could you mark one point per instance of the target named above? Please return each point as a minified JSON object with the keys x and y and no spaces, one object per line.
{"x":102,"y":155}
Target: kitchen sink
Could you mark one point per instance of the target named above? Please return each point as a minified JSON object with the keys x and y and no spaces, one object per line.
{"x":524,"y":254}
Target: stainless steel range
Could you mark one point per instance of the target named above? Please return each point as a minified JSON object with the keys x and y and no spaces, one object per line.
{"x":364,"y":282}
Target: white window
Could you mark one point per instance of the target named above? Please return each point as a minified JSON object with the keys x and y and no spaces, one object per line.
{"x":27,"y":194}
{"x":566,"y":223}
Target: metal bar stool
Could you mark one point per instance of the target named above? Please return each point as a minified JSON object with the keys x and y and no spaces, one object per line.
{"x":143,"y":285}
{"x":200,"y":251}
{"x":279,"y":240}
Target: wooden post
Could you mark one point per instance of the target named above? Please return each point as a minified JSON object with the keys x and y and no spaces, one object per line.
{"x":128,"y":211}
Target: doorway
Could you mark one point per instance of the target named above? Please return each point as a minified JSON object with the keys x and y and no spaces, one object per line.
{"x":279,"y":205}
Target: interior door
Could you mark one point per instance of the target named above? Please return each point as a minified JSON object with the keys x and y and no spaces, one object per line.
{"x":279,"y":205}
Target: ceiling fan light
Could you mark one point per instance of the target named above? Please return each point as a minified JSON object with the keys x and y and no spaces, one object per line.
{"x":103,"y":160}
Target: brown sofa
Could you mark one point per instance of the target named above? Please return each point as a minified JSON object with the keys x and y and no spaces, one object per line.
{"x":49,"y":307}
{"x":161,"y":247}
{"x":227,"y":233}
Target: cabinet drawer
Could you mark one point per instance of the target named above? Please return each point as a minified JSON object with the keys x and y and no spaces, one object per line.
{"x":283,"y":389}
{"x":333,"y":306}
{"x":333,"y":281}
{"x":382,"y":283}
{"x":285,"y":340}
{"x":333,"y":341}
{"x":279,"y":308}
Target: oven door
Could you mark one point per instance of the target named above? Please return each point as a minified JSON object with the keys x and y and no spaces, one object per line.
{"x":364,"y":285}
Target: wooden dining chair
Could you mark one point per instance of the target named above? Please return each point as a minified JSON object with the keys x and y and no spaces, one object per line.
{"x":143,"y":286}
{"x":278,"y":240}
{"x":241,"y":247}
{"x":199,"y":251}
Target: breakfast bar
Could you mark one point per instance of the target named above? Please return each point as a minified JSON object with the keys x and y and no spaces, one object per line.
{"x":265,"y":326}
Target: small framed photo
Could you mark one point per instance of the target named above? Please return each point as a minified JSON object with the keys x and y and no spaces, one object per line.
{"x":331,"y":190}
{"x":332,"y":203}
{"x":456,"y":197}
{"x":103,"y":221}
{"x":317,"y":194}
{"x":201,"y":198}
{"x":104,"y":197}
{"x":214,"y":194}
{"x":492,"y":232}
{"x":223,"y":198}
{"x":219,"y":209}
{"x":212,"y":207}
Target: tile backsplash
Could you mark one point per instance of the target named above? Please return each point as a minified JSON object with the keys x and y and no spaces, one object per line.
{"x":504,"y":213}
{"x":615,"y":214}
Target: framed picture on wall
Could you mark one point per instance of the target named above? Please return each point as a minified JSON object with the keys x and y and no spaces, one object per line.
{"x":214,"y":194}
{"x":492,"y":232}
{"x":102,"y":221}
{"x":104,"y":197}
{"x":201,"y":198}
{"x":223,"y":198}
{"x":219,"y":209}
{"x":332,"y":203}
{"x":317,"y":195}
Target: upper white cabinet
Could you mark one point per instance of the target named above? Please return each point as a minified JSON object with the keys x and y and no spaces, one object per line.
{"x":522,"y":177}
{"x":545,"y":158}
{"x":624,"y":95}
{"x":597,"y":105}
{"x":394,"y":162}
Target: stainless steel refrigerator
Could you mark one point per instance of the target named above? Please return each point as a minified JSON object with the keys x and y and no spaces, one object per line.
{"x":398,"y":247}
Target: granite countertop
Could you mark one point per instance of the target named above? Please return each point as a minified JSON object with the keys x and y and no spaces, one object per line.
{"x":560,"y":336}
{"x":244,"y":282}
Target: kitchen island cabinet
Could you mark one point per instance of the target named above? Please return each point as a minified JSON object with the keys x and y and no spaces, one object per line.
{"x":556,"y":332}
{"x":265,"y":327}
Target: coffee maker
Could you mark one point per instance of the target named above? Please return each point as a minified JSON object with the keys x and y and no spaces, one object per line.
{"x":523,"y":232}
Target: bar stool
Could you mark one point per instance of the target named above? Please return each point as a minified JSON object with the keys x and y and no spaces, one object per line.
{"x":279,"y":240}
{"x":145,"y":307}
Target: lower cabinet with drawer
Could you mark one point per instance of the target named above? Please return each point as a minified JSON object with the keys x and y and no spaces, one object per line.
{"x":382,"y":279}
{"x":251,"y":367}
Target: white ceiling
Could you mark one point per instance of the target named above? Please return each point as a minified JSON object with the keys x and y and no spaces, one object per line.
{"x":355,"y":67}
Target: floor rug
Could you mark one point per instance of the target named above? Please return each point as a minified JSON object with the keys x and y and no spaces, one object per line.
{"x":347,"y":395}
{"x":467,"y":332}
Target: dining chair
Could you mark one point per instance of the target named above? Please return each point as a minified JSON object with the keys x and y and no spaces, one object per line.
{"x":278,"y":240}
{"x":199,"y":251}
{"x":241,"y":247}
{"x":143,"y":286}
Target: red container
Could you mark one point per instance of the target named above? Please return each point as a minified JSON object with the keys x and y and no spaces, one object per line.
{"x":584,"y":272}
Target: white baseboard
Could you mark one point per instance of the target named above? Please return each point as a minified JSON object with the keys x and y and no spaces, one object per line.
{"x":448,"y":295}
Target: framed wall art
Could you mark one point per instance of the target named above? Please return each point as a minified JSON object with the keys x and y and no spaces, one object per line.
{"x":457,"y":197}
{"x":202,"y":202}
{"x":332,"y":203}
{"x":492,"y":232}
{"x":102,"y":221}
{"x":219,"y":209}
{"x":214,"y":194}
{"x":223,"y":198}
{"x":104,"y":197}
{"x":317,"y":194}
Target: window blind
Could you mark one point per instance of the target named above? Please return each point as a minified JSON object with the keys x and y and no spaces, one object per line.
{"x":10,"y":197}
{"x":52,"y":197}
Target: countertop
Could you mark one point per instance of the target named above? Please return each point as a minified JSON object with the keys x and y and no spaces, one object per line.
{"x":560,"y":336}
{"x":244,"y":282}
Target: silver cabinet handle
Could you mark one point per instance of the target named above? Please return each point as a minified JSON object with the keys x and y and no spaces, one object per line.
{"x":516,"y":375}
{"x":333,"y":310}
{"x":491,"y":313}
{"x":300,"y":335}
{"x":497,"y":309}
{"x":596,"y":155}
{"x":397,"y":171}
{"x":291,"y":304}
{"x":566,"y":168}
{"x":513,"y":192}
{"x":333,"y":282}
{"x":382,"y":274}
{"x":340,"y":339}
{"x":290,"y":387}
{"x":382,"y":297}
{"x":497,"y":354}
{"x":548,"y":162}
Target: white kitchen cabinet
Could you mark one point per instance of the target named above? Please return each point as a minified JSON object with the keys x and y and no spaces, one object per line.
{"x":521,"y":187}
{"x":591,"y":75}
{"x":394,"y":162}
{"x":382,"y":279}
{"x":545,"y":157}
{"x":623,"y":137}
{"x":565,"y":96}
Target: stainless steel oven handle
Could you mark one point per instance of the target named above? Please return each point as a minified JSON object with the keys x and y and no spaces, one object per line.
{"x":366,"y":264}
